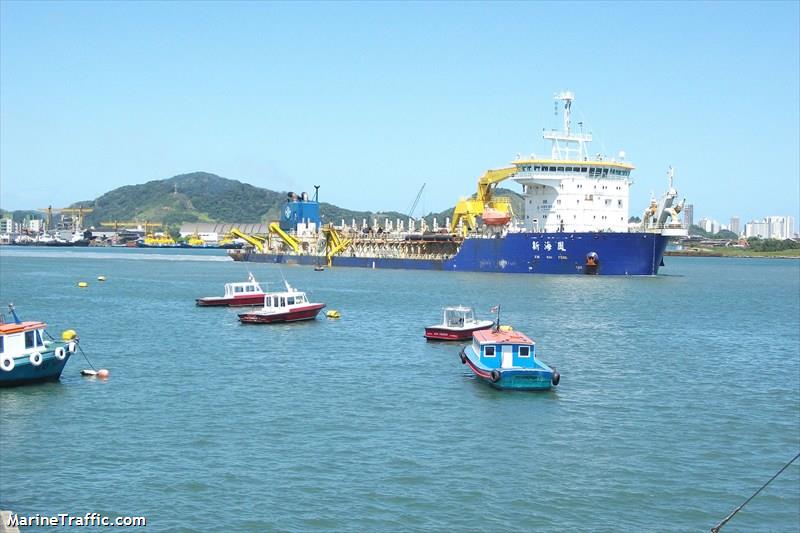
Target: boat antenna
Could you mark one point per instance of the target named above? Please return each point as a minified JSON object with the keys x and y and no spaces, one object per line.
{"x":14,"y":314}
{"x":286,"y":283}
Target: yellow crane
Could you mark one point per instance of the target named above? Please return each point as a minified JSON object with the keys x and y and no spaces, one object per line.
{"x":255,"y":241}
{"x":117,"y":224}
{"x":76,"y":213}
{"x":334,"y":243}
{"x":468,"y":209}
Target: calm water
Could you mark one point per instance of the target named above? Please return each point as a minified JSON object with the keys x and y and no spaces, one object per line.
{"x":679,"y":397}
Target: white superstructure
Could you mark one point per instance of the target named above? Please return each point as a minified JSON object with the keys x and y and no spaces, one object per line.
{"x":571,"y":191}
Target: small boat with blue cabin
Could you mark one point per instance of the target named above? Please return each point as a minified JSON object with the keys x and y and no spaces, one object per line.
{"x":26,"y":356}
{"x":507,"y":360}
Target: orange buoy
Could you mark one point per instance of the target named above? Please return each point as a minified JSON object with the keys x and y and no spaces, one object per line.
{"x":102,"y":373}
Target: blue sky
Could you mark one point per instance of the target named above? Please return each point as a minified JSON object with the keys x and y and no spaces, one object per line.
{"x":371,"y":100}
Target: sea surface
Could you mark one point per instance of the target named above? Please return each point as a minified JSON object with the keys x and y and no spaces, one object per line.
{"x":679,"y":398}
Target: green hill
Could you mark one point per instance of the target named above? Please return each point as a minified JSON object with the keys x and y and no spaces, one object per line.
{"x":204,"y":197}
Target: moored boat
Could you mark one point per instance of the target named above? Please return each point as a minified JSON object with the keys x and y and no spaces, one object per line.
{"x":458,"y":323}
{"x":507,"y":360}
{"x":27,"y":357}
{"x":248,"y":293}
{"x":290,"y":305}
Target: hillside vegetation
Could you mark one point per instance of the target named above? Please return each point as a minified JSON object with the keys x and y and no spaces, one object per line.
{"x":205,"y":197}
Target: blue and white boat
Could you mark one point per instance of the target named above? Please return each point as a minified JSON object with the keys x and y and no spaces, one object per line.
{"x":26,"y":356}
{"x":507,"y":360}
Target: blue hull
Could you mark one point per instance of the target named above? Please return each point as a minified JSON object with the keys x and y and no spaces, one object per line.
{"x":25,"y":373}
{"x":619,"y":254}
{"x":523,"y":379}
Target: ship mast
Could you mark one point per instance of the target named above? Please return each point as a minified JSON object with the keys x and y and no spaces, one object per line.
{"x":566,"y":143}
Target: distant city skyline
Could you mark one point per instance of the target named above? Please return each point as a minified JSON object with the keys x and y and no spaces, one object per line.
{"x":371,"y":100}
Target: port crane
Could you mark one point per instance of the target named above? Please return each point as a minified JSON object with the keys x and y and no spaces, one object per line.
{"x":468,"y":209}
{"x":75,"y":213}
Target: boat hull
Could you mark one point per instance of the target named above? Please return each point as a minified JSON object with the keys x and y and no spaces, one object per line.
{"x":620,"y":254}
{"x":243,"y":301}
{"x":308,"y":312}
{"x":25,"y":373}
{"x":441,"y":333}
{"x":522,"y":379}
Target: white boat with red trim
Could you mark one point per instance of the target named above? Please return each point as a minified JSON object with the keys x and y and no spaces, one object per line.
{"x":458,"y":323}
{"x":248,"y":293}
{"x":290,"y":305}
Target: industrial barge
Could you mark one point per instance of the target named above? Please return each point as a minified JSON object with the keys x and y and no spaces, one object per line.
{"x":575,"y":221}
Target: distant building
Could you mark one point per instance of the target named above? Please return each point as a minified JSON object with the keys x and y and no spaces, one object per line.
{"x":773,"y":227}
{"x":734,"y":227}
{"x":709,"y":225}
{"x":6,"y":225}
{"x":33,"y":225}
{"x":688,"y":215}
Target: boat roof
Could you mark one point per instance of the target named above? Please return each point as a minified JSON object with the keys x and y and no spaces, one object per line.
{"x":461,"y":308}
{"x":7,"y":329}
{"x":244,"y":284}
{"x":491,"y":336}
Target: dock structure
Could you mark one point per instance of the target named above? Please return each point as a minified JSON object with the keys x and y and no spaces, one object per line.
{"x":5,"y":517}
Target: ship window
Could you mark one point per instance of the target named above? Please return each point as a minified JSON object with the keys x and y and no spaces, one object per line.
{"x":558,"y":202}
{"x":39,"y":338}
{"x":568,"y":169}
{"x":560,"y":169}
{"x":552,"y":169}
{"x":619,"y":203}
{"x":2,"y":349}
{"x":283,"y":302}
{"x":290,"y":300}
{"x":536,"y":168}
{"x":29,"y":342}
{"x":488,"y":351}
{"x":583,"y":169}
{"x":268,"y":301}
{"x":524,"y":351}
{"x":237,"y":289}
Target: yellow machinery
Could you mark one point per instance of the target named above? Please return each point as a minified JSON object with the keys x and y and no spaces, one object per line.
{"x":253,"y":240}
{"x":274,"y":227}
{"x":469,"y":209}
{"x":334,"y":243}
{"x":75,"y":212}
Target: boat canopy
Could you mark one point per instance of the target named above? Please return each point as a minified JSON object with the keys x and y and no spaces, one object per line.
{"x":458,"y":316}
{"x":238,"y":289}
{"x":284,"y":299}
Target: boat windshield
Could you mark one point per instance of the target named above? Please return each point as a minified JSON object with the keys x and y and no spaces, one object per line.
{"x":457,"y":317}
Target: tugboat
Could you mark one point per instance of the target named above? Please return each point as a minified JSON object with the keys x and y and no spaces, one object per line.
{"x":506,"y":360}
{"x":290,"y":305}
{"x":26,"y":357}
{"x":248,"y":293}
{"x":458,"y":324}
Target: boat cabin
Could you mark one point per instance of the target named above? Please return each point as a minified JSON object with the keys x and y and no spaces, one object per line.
{"x":504,"y":349}
{"x":245,"y":288}
{"x":20,"y":339}
{"x":456,"y":317}
{"x":274,"y":301}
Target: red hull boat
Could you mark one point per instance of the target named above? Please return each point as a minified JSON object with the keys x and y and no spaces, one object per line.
{"x":457,"y":324}
{"x":288,"y":306}
{"x":246,"y":294}
{"x":308,"y":312}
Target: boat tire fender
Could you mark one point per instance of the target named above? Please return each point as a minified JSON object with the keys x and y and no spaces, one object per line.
{"x":556,"y":376}
{"x":71,"y":347}
{"x":60,"y":353}
{"x":36,"y":358}
{"x":463,"y":357}
{"x":495,"y":376}
{"x":7,"y":363}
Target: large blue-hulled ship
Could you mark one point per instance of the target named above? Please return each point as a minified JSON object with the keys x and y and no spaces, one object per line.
{"x":575,"y":221}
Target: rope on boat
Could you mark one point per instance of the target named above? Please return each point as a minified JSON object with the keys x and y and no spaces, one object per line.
{"x":86,"y":357}
{"x":716,"y":528}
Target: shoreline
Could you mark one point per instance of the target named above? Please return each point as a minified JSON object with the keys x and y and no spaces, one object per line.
{"x":682,"y":253}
